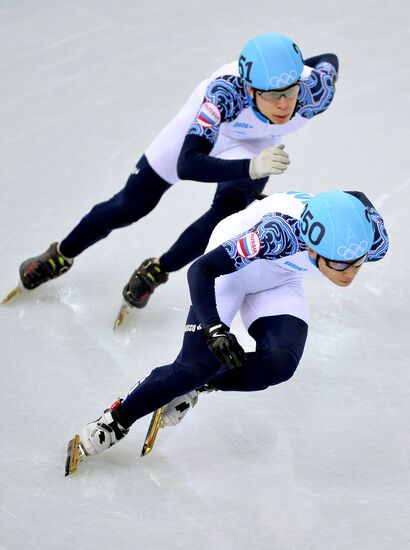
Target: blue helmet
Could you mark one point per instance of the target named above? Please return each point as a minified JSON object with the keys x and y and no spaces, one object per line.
{"x":337,"y":226}
{"x":270,"y":62}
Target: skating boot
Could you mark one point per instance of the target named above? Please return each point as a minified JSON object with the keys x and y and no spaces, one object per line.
{"x":95,"y":437}
{"x":143,"y":282}
{"x":175,"y":411}
{"x":42,"y":268}
{"x":170,"y":415}
{"x":103,"y":433}
{"x":139,"y":288}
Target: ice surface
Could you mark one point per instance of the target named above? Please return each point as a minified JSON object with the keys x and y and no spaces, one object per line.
{"x":318,"y":463}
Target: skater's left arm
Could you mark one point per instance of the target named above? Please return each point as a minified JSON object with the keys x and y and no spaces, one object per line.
{"x":326,"y":62}
{"x":318,"y":85}
{"x":381,"y":239}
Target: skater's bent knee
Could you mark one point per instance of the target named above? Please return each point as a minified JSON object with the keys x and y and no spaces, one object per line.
{"x":195,"y":374}
{"x":230,"y":201}
{"x":282,"y":366}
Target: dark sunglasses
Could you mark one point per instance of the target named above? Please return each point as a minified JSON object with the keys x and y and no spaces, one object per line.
{"x":274,"y":95}
{"x":342,"y":266}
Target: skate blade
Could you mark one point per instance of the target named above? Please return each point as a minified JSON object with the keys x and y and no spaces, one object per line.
{"x":14,"y":292}
{"x":75,"y":454}
{"x":124,"y":311}
{"x":155,"y":425}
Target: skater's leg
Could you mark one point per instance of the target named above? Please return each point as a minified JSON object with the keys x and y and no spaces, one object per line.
{"x":142,"y":192}
{"x":230,"y":197}
{"x":140,"y":195}
{"x":194,"y":365}
{"x":279,"y":346}
{"x":280,"y":342}
{"x":192,"y":368}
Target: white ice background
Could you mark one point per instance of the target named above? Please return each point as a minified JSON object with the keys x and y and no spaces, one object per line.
{"x":318,"y":463}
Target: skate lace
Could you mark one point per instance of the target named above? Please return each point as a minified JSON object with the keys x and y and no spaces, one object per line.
{"x":47,"y":266}
{"x":146,"y":278}
{"x":152,"y":272}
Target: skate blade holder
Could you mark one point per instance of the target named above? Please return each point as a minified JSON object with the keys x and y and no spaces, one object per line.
{"x":75,"y":454}
{"x":155,"y":424}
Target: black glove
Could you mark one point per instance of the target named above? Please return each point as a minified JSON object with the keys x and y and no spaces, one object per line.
{"x":224,"y":345}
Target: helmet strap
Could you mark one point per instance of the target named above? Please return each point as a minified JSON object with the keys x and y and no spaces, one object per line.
{"x":315,"y":261}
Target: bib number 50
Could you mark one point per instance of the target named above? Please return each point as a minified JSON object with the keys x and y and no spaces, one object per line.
{"x":315,"y":231}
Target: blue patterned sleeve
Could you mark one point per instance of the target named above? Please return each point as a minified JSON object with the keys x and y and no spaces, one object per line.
{"x":224,"y":99}
{"x":317,"y":91}
{"x":327,"y":62}
{"x":274,"y":237}
{"x":381,"y":239}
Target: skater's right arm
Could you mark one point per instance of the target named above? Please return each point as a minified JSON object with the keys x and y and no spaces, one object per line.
{"x":201,"y":277}
{"x":201,"y":280}
{"x":195,"y":163}
{"x":273,"y":237}
{"x":224,"y":100}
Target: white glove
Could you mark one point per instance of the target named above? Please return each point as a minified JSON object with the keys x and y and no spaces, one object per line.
{"x":273,"y":160}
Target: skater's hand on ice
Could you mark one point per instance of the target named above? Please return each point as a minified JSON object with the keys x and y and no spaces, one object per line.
{"x":224,"y":345}
{"x":273,"y":160}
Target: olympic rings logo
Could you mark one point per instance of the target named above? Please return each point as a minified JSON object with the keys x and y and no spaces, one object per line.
{"x":354,"y":250}
{"x":285,"y":79}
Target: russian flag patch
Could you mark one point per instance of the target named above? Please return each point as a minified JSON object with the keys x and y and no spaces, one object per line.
{"x":249,"y":245}
{"x":209,"y":115}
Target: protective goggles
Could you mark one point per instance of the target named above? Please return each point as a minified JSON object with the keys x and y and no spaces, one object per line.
{"x":342,"y":266}
{"x":274,"y":95}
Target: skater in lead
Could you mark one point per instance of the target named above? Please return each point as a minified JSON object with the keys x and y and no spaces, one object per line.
{"x":258,"y":273}
{"x":230,"y":131}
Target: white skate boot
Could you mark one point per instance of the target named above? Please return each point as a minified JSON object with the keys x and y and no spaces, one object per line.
{"x":170,"y":415}
{"x":103,"y":433}
{"x":176,"y":410}
{"x":94,"y":438}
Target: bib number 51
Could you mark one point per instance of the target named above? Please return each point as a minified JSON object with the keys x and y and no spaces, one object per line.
{"x":245,"y":68}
